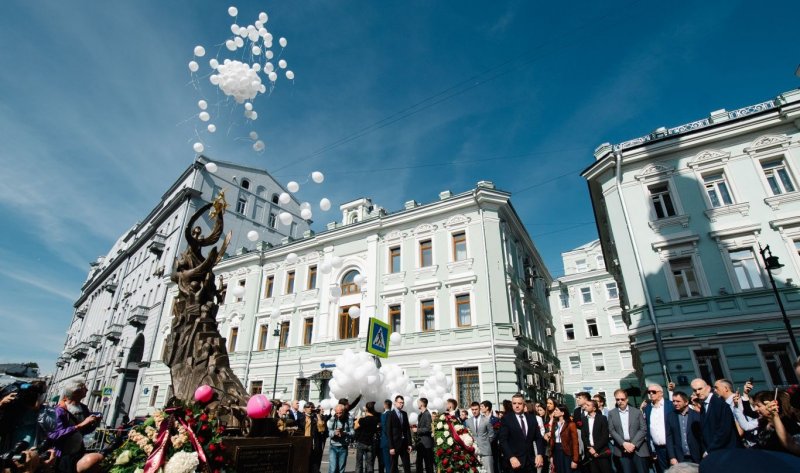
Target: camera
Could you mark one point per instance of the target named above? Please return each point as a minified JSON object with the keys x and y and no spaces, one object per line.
{"x":8,"y":458}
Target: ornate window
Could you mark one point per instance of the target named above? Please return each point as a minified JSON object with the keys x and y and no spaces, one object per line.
{"x":684,"y":277}
{"x":394,"y":259}
{"x":778,"y":176}
{"x":425,"y":253}
{"x":232,"y":339}
{"x":468,"y":386}
{"x":263,"y":337}
{"x":283,"y":338}
{"x":348,"y":284}
{"x":459,"y":246}
{"x":463,"y":313}
{"x":348,"y":326}
{"x":661,"y":200}
{"x":312,"y":277}
{"x":308,"y":330}
{"x":717,"y":189}
{"x":428,"y":315}
{"x":395,"y":317}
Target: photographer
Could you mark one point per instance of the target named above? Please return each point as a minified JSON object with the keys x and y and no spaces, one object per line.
{"x":315,"y":428}
{"x":19,"y":412}
{"x":340,"y":427}
{"x":73,"y":421}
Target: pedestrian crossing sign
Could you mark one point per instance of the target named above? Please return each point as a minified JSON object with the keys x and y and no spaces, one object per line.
{"x":378,"y":338}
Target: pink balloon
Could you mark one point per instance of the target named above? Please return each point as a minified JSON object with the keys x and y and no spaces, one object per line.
{"x":259,"y":406}
{"x":203,"y":394}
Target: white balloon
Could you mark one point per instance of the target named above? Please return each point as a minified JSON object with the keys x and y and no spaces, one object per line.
{"x":317,"y":177}
{"x":282,"y":42}
{"x":395,"y":338}
{"x":358,"y":279}
{"x":212,"y":128}
{"x":253,"y":115}
{"x":231,"y":45}
{"x":269,"y":54}
{"x":305,"y":205}
{"x":258,"y":146}
{"x":213,"y":63}
{"x":239,"y":42}
{"x":214,"y":79}
{"x":290,"y":75}
{"x":325,"y":268}
{"x":257,"y":67}
{"x":269,"y":67}
{"x":256,"y":50}
{"x":424,"y":364}
{"x":204,"y":116}
{"x":284,"y":198}
{"x":325,"y":204}
{"x":235,"y":28}
{"x":233,"y":11}
{"x":276,"y":313}
{"x":413,"y":418}
{"x":202,"y":104}
{"x":211,"y":167}
{"x":262,"y":17}
{"x":273,"y":76}
{"x":336,"y":291}
{"x":238,"y":291}
{"x":282,"y":63}
{"x":336,"y":262}
{"x":248,"y":106}
{"x":199,"y":51}
{"x":198,"y":147}
{"x":305,"y":214}
{"x":285,"y":218}
{"x":354,"y":312}
{"x":291,"y":258}
{"x":193,"y":66}
{"x":252,"y":235}
{"x":253,"y":135}
{"x":293,"y":186}
{"x":253,"y":36}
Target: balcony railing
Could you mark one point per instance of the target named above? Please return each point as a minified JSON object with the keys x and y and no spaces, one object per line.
{"x":157,"y":244}
{"x":79,"y":351}
{"x":114,"y":332}
{"x":94,"y":340}
{"x":110,"y":286}
{"x":81,"y":313}
{"x":138,"y":315}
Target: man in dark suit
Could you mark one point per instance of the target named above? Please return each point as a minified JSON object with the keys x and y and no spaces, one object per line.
{"x":683,"y":431}
{"x":594,"y":433}
{"x":384,"y":444}
{"x":718,"y":426}
{"x":580,"y":399}
{"x":518,"y":432}
{"x":425,"y":436}
{"x":628,"y":429}
{"x":399,"y":436}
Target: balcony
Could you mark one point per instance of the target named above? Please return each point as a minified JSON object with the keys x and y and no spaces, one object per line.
{"x":81,"y":313}
{"x":110,"y":286}
{"x":138,"y":316}
{"x":79,"y":351}
{"x":156,"y":245}
{"x":94,"y":340}
{"x":61,"y":361}
{"x":114,"y":332}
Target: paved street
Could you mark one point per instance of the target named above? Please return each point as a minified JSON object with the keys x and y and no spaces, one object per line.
{"x":351,"y":462}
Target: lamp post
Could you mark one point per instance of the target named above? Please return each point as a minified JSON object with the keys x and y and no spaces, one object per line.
{"x":771,"y":263}
{"x":276,"y":333}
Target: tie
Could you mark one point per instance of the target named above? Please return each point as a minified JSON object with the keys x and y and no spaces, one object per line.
{"x":476,"y":423}
{"x":522,"y":424}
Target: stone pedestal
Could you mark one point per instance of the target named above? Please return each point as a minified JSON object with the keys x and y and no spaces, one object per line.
{"x":288,"y":454}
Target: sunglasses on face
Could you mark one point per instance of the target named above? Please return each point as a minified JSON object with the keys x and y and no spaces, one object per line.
{"x":653,"y":392}
{"x":620,"y":399}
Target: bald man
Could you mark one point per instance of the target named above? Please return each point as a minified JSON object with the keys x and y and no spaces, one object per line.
{"x":719,"y":428}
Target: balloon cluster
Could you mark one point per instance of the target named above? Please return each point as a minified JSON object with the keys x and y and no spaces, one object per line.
{"x":240,"y":77}
{"x":437,"y":387}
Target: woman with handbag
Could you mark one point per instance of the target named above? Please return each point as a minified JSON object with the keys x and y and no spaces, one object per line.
{"x":564,"y":441}
{"x":595,"y":439}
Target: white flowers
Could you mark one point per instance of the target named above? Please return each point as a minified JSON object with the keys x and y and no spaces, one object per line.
{"x":440,"y":426}
{"x":182,"y":462}
{"x":439,"y":441}
{"x":446,"y":434}
{"x":467,"y":439}
{"x":450,"y":441}
{"x":123,"y":458}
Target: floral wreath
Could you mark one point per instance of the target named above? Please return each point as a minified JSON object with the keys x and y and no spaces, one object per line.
{"x":456,"y":451}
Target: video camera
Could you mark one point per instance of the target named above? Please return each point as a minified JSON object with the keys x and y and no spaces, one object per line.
{"x":27,"y":393}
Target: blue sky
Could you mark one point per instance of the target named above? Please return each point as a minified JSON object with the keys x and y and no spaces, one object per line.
{"x":391,"y":100}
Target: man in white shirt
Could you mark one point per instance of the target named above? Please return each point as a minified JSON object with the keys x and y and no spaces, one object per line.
{"x":656,"y":414}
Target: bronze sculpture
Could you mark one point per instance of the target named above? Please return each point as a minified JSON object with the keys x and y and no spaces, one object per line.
{"x":196,"y":352}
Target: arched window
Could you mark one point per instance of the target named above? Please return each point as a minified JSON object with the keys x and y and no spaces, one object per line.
{"x":245,"y":184}
{"x":349,"y":285}
{"x":353,"y":218}
{"x":261,"y":191}
{"x":275,"y":198}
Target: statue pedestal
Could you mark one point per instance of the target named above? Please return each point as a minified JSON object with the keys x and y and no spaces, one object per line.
{"x":269,"y":454}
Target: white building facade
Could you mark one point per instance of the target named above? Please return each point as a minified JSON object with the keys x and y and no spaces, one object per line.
{"x":591,"y":334}
{"x":111,"y":339}
{"x":682,"y":214}
{"x":458,"y":278}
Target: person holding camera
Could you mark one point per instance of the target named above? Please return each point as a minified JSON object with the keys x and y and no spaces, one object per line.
{"x":24,"y":443}
{"x":340,"y":427}
{"x":316,"y":428}
{"x":73,"y":421}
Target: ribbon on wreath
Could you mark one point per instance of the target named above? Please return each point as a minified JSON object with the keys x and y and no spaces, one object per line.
{"x":157,"y":458}
{"x":456,"y":437}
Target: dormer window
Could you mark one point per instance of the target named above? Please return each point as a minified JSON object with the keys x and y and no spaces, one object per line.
{"x":275,"y":198}
{"x":245,"y":184}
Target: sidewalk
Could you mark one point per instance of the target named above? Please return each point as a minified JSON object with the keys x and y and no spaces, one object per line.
{"x":350,"y":467}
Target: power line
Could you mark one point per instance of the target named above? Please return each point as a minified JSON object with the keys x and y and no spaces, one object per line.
{"x":572,"y":227}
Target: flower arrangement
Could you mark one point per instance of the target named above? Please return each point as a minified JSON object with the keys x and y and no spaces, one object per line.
{"x":456,"y":451}
{"x":179,"y":439}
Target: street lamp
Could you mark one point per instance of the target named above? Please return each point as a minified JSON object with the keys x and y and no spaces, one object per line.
{"x":773,"y":266}
{"x":276,"y":333}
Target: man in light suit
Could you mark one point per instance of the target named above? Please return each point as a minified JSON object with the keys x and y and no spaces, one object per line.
{"x":656,"y":413}
{"x":518,"y":433}
{"x":627,"y":428}
{"x":480,"y":426}
{"x":719,"y":427}
{"x":424,"y":432}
